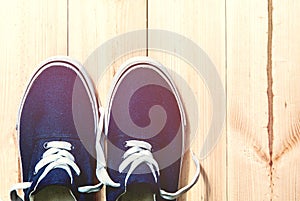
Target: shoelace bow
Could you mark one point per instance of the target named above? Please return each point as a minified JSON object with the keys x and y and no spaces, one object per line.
{"x":57,"y":155}
{"x":138,"y":152}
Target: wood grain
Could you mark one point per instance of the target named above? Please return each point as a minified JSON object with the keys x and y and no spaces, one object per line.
{"x":95,"y":22}
{"x":31,"y":31}
{"x":247,"y":101}
{"x":253,"y":44}
{"x":202,"y":22}
{"x":286,"y":74}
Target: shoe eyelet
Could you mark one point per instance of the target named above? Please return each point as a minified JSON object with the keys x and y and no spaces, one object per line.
{"x":45,"y":145}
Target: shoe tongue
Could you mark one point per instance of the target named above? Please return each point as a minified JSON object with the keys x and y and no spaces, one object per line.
{"x":56,"y":176}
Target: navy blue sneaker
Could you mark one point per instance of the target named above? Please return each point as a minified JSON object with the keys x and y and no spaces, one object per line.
{"x":57,"y":125}
{"x":145,"y":133}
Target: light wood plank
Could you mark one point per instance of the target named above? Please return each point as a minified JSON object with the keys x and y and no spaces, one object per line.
{"x":93,"y":23}
{"x":31,"y":31}
{"x":247,"y":137}
{"x":286,"y":75}
{"x":204,"y":23}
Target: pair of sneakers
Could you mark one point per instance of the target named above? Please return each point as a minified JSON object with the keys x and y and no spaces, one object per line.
{"x":135,"y":144}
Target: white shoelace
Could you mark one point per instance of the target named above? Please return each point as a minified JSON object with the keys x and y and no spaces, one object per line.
{"x":57,"y":155}
{"x":139,"y":152}
{"x":101,"y":172}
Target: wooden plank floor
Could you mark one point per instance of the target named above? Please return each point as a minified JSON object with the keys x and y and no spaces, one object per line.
{"x":30,"y":32}
{"x":247,"y":101}
{"x":166,"y":15}
{"x":254,"y":45}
